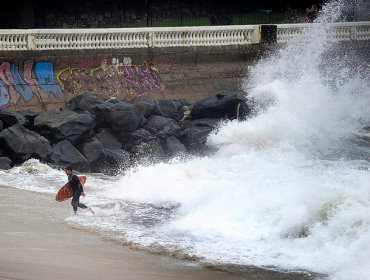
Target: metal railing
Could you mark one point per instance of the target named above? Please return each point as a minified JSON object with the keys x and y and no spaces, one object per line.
{"x":123,"y":38}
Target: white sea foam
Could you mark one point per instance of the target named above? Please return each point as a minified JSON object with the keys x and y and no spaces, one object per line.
{"x":288,"y":188}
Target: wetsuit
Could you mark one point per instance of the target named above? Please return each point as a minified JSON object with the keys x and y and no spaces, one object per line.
{"x":77,"y":190}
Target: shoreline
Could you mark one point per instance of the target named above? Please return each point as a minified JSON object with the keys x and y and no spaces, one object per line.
{"x":37,"y":243}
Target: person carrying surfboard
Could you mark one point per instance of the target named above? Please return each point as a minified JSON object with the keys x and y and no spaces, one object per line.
{"x":77,"y":189}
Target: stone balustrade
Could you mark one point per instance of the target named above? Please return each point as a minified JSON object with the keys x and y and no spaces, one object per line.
{"x":340,"y":31}
{"x":123,"y":38}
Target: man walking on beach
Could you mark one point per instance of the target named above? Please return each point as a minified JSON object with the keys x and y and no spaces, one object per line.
{"x":77,"y":189}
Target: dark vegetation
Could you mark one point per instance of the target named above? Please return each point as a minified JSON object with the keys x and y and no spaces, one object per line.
{"x":140,"y":13}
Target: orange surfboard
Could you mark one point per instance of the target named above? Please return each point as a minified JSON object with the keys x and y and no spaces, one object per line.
{"x":65,"y":192}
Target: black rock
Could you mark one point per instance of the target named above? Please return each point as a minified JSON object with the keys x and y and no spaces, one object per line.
{"x":120,"y":116}
{"x":143,"y":122}
{"x":169,"y":108}
{"x":65,"y":154}
{"x":103,"y":159}
{"x":1,"y":125}
{"x":114,"y":100}
{"x":195,"y":138}
{"x":29,"y":116}
{"x":212,"y":123}
{"x":162,"y":127}
{"x":145,"y":104}
{"x":5,"y":163}
{"x":84,"y":102}
{"x":132,"y":139}
{"x":174,"y":147}
{"x":184,"y":102}
{"x":223,"y":105}
{"x":22,"y":144}
{"x":151,"y":151}
{"x":108,"y":139}
{"x":65,"y":125}
{"x":95,"y":154}
{"x":116,"y":159}
{"x":244,"y":110}
{"x":10,"y":118}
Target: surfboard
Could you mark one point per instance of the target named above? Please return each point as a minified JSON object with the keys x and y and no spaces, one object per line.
{"x":66,"y":192}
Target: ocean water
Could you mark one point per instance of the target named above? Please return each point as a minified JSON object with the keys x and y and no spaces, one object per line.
{"x":287,"y":189}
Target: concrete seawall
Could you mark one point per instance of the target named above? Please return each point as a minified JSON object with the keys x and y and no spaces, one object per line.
{"x":44,"y":69}
{"x":48,"y":79}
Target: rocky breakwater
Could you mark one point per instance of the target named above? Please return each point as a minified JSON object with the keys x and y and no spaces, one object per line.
{"x":93,"y":135}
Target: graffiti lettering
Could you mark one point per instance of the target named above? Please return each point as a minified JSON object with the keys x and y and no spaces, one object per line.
{"x":45,"y":75}
{"x":33,"y":84}
{"x":112,"y":78}
{"x":4,"y":96}
{"x":20,"y":85}
{"x":7,"y":81}
{"x":14,"y":86}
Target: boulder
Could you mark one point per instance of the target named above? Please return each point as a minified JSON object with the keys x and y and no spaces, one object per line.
{"x":174,"y":147}
{"x":22,"y":144}
{"x":104,"y":159}
{"x":10,"y":118}
{"x":195,"y":138}
{"x":161,"y":126}
{"x":151,"y":151}
{"x":223,"y":105}
{"x":145,"y":104}
{"x":30,"y":117}
{"x":65,"y":125}
{"x":244,"y":110}
{"x":169,"y":108}
{"x":5,"y":163}
{"x":108,"y":139}
{"x":114,"y":100}
{"x":120,"y":116}
{"x":184,"y":102}
{"x":65,"y":154}
{"x":84,"y":102}
{"x":132,"y":139}
{"x":1,"y":125}
{"x":212,"y":123}
{"x":116,"y":159}
{"x":94,"y":152}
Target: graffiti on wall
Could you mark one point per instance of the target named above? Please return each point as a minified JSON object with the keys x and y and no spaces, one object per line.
{"x":112,"y":76}
{"x":37,"y":80}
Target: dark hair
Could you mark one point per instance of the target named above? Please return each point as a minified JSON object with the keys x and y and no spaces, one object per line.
{"x":68,"y":168}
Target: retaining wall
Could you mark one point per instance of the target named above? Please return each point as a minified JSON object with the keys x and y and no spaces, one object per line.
{"x":44,"y":69}
{"x":48,"y":79}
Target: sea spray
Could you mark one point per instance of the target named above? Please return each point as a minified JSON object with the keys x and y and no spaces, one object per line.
{"x":288,"y":187}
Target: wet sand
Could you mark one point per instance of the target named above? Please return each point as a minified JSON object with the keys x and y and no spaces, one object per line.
{"x":37,"y":244}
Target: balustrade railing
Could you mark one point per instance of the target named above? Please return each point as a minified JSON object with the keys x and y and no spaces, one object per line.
{"x":121,"y":38}
{"x":340,"y":31}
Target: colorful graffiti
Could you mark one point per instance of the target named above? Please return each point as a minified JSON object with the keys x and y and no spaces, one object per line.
{"x":37,"y":80}
{"x":112,"y":76}
{"x":107,"y":77}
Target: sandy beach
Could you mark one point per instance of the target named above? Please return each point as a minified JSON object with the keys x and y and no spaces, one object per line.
{"x":36,"y":243}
